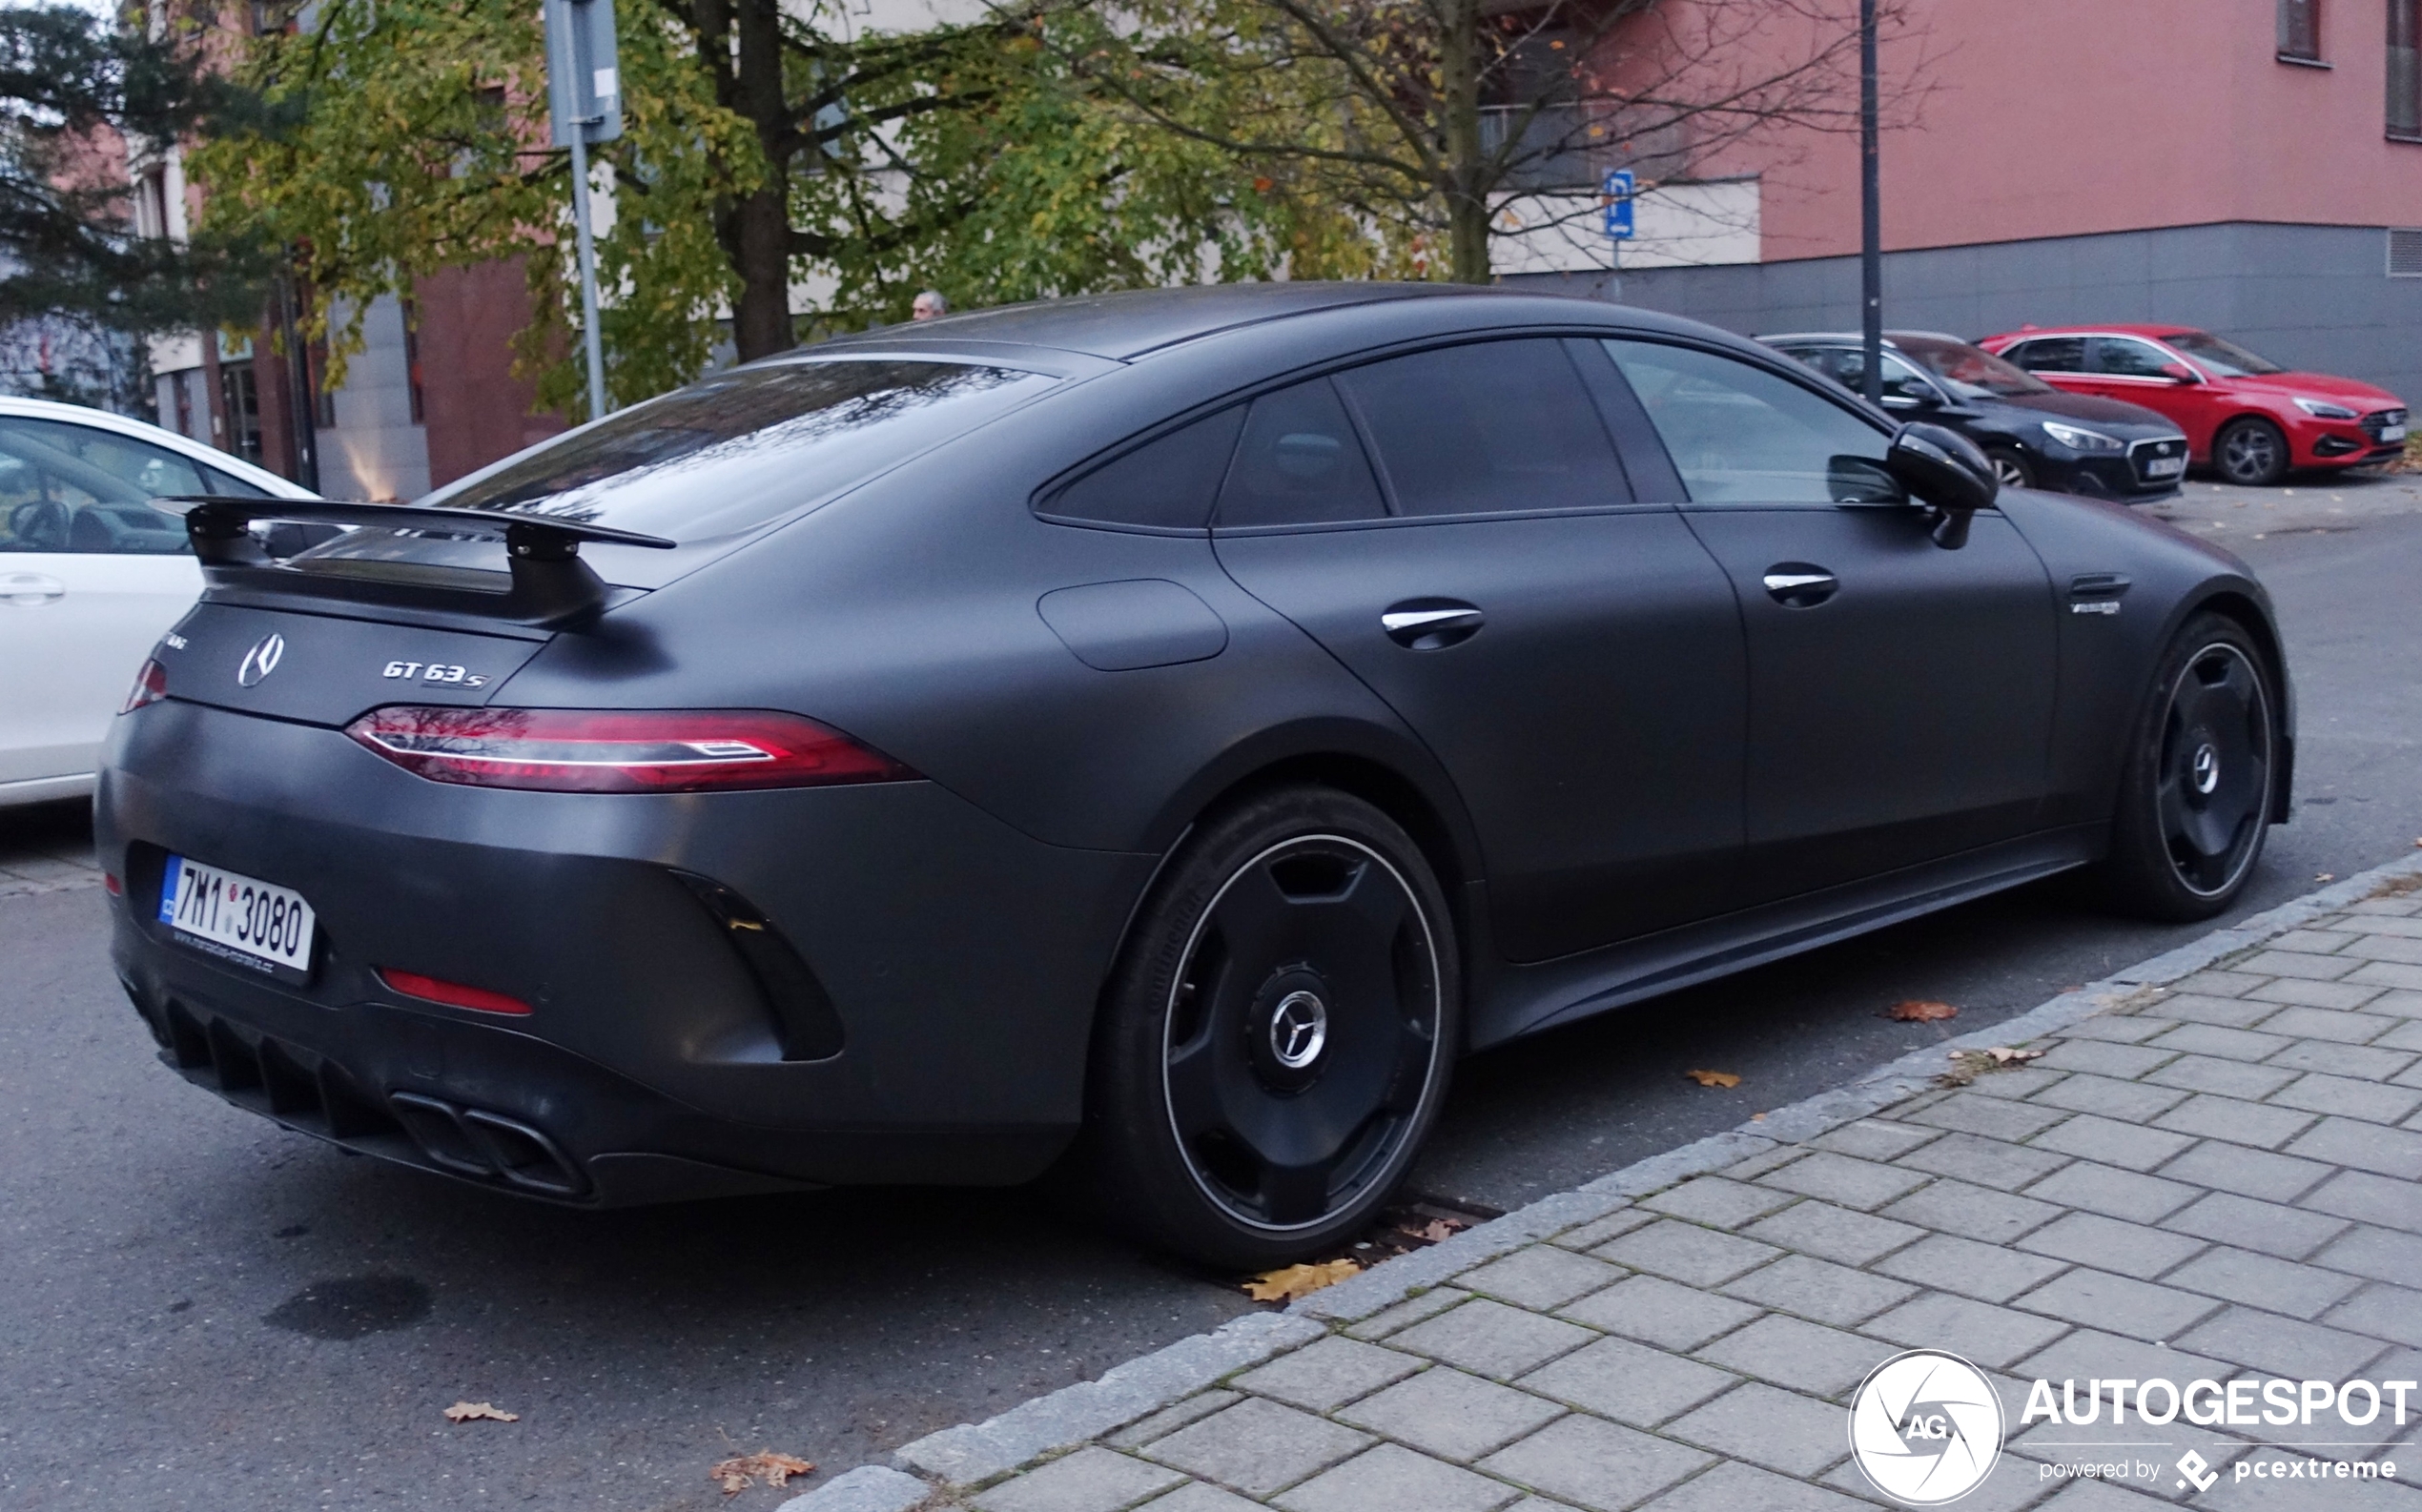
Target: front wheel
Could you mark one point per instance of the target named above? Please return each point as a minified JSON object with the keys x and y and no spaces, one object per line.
{"x":2010,"y":467}
{"x":2195,"y":797}
{"x":2251,"y":452}
{"x":1279,"y":1035}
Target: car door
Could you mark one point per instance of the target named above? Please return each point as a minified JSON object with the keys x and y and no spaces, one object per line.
{"x":2138,"y":372}
{"x":91,"y":576}
{"x":1900,"y":695}
{"x":2059,"y":360}
{"x":1572,"y":657}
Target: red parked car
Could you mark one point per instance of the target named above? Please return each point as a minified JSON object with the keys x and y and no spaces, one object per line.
{"x":2248,"y":418}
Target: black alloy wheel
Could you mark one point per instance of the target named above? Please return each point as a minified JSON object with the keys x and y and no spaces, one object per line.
{"x":1280,"y":1035}
{"x":2196,"y":800}
{"x":2251,"y":452}
{"x":2010,"y":467}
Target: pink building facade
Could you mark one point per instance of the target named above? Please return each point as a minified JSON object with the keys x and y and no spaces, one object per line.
{"x":2251,"y":166}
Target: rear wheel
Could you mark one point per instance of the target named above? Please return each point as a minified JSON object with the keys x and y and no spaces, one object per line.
{"x":2011,"y":468}
{"x":1278,"y":1035}
{"x":2251,"y":452}
{"x":2196,"y":795}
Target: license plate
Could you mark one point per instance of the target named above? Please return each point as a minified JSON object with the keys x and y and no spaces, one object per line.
{"x":2164,"y":467}
{"x":236,"y":918}
{"x":2391,"y":433}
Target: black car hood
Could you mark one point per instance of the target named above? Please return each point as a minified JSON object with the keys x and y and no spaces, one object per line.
{"x":2135,"y":419}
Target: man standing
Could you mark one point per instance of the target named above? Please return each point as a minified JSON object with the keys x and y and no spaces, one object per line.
{"x":930,"y":305}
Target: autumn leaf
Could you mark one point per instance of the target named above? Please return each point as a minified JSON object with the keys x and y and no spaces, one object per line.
{"x":1968,"y":1065}
{"x":735,"y":1474}
{"x":466,"y":1411}
{"x":1921,"y":1010}
{"x":1436,"y":1230}
{"x":1713,"y":1078}
{"x":1289,"y":1282}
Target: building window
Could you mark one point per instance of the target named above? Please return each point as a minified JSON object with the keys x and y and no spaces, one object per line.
{"x":243,"y":410}
{"x":150,"y":204}
{"x":2300,"y":30}
{"x":2405,"y":77}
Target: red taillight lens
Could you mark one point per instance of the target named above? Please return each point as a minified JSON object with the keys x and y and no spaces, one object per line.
{"x":151,"y":685}
{"x":453,"y":994}
{"x":613,"y":751}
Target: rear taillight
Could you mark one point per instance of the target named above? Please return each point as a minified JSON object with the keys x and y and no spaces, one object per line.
{"x":616,"y":752}
{"x":151,"y":685}
{"x":453,"y":994}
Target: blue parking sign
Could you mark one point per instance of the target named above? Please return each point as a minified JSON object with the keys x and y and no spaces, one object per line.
{"x":1616,"y":192}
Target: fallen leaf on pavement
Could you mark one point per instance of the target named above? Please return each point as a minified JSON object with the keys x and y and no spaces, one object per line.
{"x":1921,"y":1010}
{"x":1435,"y":1230}
{"x":2325,"y":876}
{"x":1713,"y":1078}
{"x":465,"y":1411}
{"x":775,"y":1469}
{"x":1968,"y":1065}
{"x":1288,"y":1282}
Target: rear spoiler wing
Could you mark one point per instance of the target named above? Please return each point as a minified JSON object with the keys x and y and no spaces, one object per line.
{"x":550,"y":585}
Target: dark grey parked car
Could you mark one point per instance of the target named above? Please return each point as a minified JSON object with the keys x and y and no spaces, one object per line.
{"x":1157,"y":733}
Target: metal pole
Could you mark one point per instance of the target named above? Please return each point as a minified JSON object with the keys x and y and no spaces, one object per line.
{"x":302,"y":395}
{"x":588,"y":278}
{"x":1871,"y":233}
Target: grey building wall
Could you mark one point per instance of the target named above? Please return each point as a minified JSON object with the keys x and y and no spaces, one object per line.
{"x":2316,"y":298}
{"x":375,"y":450}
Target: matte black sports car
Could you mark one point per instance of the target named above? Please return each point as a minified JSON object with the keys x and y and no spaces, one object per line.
{"x":2036,"y":436}
{"x":1157,"y":733}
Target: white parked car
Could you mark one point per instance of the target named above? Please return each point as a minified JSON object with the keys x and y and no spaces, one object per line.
{"x":90,"y":576}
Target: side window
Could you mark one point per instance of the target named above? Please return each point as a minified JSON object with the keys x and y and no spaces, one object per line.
{"x":1900,"y":380}
{"x":2122,"y":358}
{"x":1738,"y":433}
{"x":2050,"y":353}
{"x":74,"y":488}
{"x":1488,"y":428}
{"x":229,"y":485}
{"x":1169,"y":482}
{"x":1298,"y":463}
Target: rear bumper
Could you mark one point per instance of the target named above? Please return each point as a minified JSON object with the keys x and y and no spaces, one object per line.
{"x":959,"y":961}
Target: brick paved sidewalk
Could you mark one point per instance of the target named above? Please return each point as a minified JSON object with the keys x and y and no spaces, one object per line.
{"x":2215,"y":1177}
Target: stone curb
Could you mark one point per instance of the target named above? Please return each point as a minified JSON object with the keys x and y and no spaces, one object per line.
{"x":970,"y":1455}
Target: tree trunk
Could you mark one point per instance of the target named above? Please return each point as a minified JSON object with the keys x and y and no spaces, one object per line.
{"x":1458,"y":66}
{"x":740,"y":43}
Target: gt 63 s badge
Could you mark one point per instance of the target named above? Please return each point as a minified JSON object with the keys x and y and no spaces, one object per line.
{"x":450,"y":675}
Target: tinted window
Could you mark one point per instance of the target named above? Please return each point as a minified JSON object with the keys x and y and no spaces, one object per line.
{"x":1300,"y":462}
{"x":2122,"y":358}
{"x":1901,"y":380}
{"x":1738,"y":433}
{"x":1488,"y":428}
{"x":215,"y":482}
{"x":2051,"y":354}
{"x":67,"y":487}
{"x":1169,"y":482}
{"x":1968,"y":372}
{"x":744,"y":447}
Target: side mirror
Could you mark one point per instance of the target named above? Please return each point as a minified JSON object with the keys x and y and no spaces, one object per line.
{"x":1946,"y":470}
{"x":2181,"y":373}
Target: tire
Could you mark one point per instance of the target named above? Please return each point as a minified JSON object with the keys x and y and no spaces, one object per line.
{"x":2196,"y":791}
{"x":2011,"y":467}
{"x":1278,"y":1036}
{"x":2251,"y":452}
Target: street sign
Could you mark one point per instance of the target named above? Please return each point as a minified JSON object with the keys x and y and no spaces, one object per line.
{"x":1616,"y":192}
{"x":583,"y":90}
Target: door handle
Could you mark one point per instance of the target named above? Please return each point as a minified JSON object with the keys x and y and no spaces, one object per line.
{"x":1432,"y":624}
{"x":26,"y":589}
{"x":1801,"y":585}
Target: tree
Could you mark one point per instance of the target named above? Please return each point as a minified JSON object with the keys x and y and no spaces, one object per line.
{"x":1425,"y":118}
{"x":762,"y":149}
{"x":74,"y":89}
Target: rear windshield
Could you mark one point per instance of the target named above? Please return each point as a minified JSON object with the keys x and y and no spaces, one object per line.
{"x":737,"y":450}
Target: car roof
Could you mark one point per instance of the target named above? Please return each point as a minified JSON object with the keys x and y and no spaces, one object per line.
{"x":166,"y":440}
{"x":1857,"y":337}
{"x":1127,"y":325}
{"x":2105,"y":328}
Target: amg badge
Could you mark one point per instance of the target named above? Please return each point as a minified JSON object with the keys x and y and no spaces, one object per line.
{"x":436,"y":672}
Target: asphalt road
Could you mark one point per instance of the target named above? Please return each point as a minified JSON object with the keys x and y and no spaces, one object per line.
{"x":201,"y":1311}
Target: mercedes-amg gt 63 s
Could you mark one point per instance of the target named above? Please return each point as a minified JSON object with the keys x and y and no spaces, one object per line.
{"x":1145,"y":738}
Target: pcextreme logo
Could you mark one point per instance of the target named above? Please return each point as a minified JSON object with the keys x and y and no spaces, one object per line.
{"x":1926,"y":1427}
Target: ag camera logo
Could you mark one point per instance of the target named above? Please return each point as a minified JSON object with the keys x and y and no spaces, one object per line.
{"x":1926,"y":1427}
